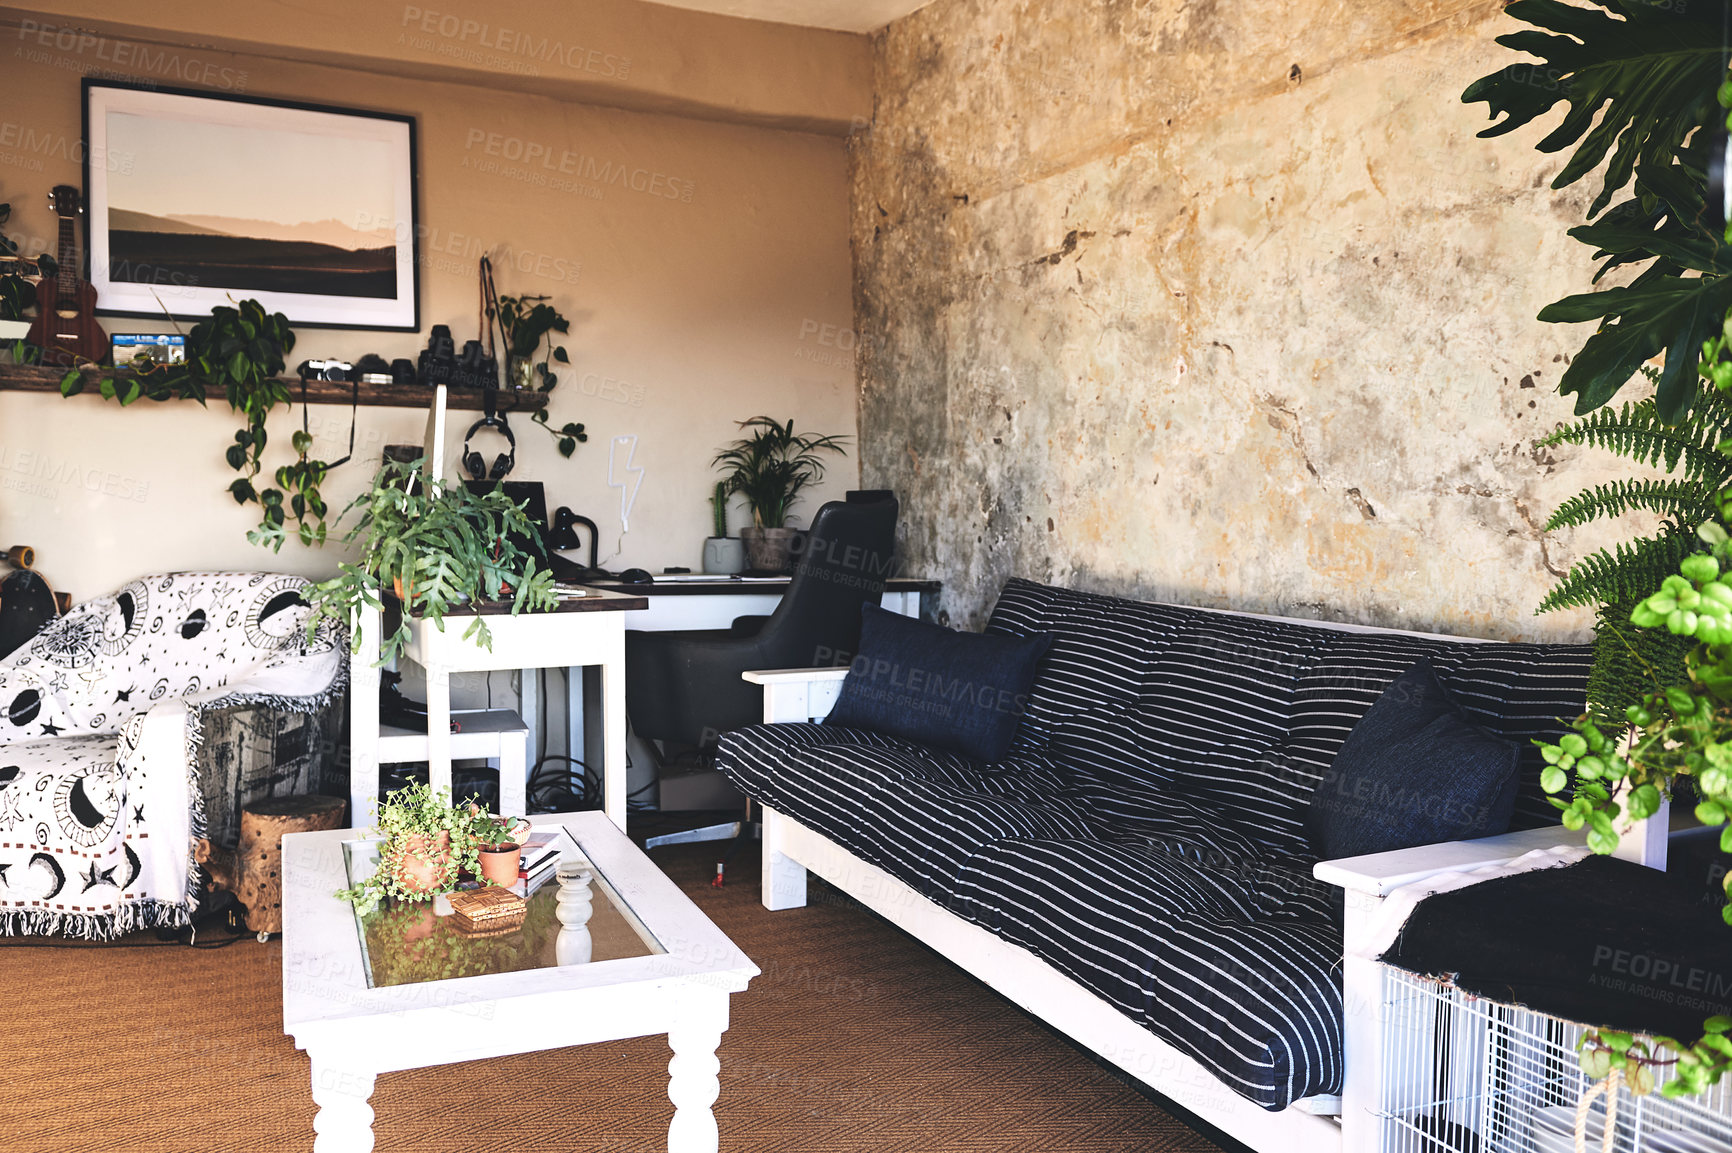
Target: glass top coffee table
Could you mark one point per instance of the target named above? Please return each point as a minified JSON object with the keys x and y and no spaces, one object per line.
{"x":608,"y":949}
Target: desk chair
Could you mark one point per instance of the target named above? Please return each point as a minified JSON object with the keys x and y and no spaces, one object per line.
{"x":684,"y":688}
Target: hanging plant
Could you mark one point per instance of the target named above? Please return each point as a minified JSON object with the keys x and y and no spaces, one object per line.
{"x":239,"y":354}
{"x":527,"y":322}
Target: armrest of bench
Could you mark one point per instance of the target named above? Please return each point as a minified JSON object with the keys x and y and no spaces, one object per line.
{"x":793,"y":695}
{"x":1376,"y":874}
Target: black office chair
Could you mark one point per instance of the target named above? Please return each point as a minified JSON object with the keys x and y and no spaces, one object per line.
{"x":684,"y":688}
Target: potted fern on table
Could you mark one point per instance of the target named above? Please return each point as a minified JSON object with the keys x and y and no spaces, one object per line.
{"x":437,"y":547}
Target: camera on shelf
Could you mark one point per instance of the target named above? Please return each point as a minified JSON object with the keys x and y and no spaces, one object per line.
{"x":440,"y":363}
{"x":324,"y":370}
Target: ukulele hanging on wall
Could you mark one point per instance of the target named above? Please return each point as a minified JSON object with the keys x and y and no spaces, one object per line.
{"x":65,"y":327}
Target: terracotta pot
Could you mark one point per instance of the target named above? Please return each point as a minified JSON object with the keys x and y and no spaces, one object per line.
{"x":499,"y":863}
{"x":421,"y":863}
{"x":769,"y":550}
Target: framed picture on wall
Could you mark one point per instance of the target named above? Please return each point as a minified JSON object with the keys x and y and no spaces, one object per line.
{"x":196,"y":200}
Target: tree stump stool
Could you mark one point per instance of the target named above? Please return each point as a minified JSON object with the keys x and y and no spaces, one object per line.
{"x":258,"y":867}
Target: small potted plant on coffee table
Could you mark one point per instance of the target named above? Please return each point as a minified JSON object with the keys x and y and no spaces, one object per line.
{"x":498,"y":847}
{"x":770,"y":467}
{"x":427,"y":844}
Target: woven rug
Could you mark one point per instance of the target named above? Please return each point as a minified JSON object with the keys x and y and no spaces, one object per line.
{"x":854,"y":1038}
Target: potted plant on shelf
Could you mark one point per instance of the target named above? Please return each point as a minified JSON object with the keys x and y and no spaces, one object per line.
{"x":722,"y":553}
{"x":437,"y":546}
{"x":526,"y":321}
{"x":770,"y":467}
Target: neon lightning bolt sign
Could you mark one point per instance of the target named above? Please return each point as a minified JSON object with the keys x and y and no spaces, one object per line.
{"x":630,"y":477}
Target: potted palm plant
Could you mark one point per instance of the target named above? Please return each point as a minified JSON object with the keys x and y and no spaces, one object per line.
{"x":437,"y":546}
{"x":770,"y":466}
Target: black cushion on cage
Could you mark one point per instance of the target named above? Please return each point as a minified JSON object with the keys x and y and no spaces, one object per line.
{"x":1603,"y":942}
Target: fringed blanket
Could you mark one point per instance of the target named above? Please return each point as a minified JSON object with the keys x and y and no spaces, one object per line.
{"x":99,"y":797}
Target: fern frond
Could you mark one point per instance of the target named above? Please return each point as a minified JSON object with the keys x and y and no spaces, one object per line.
{"x":1630,"y":662}
{"x":1636,"y":432}
{"x":1633,"y":571}
{"x":1684,"y":501}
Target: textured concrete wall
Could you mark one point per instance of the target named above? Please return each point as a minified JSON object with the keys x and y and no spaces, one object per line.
{"x":1221,"y":304}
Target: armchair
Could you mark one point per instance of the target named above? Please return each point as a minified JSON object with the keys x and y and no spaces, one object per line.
{"x":685,"y":687}
{"x":100,"y":728}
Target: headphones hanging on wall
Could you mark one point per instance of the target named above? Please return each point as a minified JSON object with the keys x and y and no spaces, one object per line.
{"x":474,"y":465}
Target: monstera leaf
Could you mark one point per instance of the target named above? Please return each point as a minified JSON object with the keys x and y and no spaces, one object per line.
{"x":1638,"y":75}
{"x":1639,"y":79}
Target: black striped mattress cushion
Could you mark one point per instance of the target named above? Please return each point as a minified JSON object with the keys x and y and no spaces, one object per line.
{"x":1155,"y":911}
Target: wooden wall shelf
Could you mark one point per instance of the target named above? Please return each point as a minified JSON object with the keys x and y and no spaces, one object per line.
{"x":36,"y":378}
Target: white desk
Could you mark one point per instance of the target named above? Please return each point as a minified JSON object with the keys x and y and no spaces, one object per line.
{"x":587,"y":631}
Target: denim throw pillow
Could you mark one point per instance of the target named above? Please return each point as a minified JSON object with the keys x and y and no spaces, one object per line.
{"x":964,"y":692}
{"x":1414,"y":771}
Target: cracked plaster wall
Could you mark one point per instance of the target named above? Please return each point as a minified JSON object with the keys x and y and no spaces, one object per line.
{"x":1217,"y":304}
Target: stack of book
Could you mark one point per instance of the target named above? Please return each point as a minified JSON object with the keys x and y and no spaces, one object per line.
{"x":541,"y":852}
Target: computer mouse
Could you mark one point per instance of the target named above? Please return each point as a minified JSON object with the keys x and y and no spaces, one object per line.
{"x":636,"y":576}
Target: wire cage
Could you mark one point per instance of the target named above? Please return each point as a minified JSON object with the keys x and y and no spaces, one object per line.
{"x":1462,"y":1074}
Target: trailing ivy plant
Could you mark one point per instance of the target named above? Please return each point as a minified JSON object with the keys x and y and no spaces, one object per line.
{"x":239,"y":353}
{"x":1639,"y":81}
{"x":1682,"y":730}
{"x":527,"y":321}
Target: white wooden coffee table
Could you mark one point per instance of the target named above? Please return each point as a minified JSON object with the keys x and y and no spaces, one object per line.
{"x":660,"y":966}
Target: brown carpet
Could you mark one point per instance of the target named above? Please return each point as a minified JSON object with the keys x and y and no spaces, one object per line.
{"x":854,"y":1038}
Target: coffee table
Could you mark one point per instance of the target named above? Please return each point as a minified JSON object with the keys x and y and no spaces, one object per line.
{"x":405,"y":989}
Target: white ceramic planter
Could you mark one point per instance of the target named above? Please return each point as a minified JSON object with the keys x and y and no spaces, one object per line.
{"x":724,"y":554}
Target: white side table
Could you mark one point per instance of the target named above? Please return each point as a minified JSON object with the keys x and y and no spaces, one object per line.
{"x":587,"y":630}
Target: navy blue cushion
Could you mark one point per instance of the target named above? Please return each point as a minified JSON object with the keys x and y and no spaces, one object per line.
{"x":1414,"y":771}
{"x":959,"y":691}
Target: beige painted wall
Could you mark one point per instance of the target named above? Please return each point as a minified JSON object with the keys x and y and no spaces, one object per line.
{"x":1218,"y":304}
{"x":620,"y":53}
{"x":686,"y":317}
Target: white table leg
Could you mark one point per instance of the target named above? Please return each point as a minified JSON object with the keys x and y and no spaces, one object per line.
{"x":513,"y":774}
{"x":575,"y":746}
{"x":344,"y":1123}
{"x":692,"y":1083}
{"x":529,"y":703}
{"x":364,"y":719}
{"x":614,"y":786}
{"x":439,"y":724}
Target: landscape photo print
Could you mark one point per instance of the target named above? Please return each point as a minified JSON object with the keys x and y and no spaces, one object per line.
{"x":309,"y":210}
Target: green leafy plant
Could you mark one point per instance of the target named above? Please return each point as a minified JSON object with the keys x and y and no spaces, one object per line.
{"x":1639,"y":80}
{"x":417,"y":821}
{"x":528,"y":322}
{"x":719,"y":508}
{"x":239,"y":354}
{"x":17,"y":294}
{"x":1674,"y":732}
{"x":438,"y":547}
{"x":1629,"y":662}
{"x":772,"y":466}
